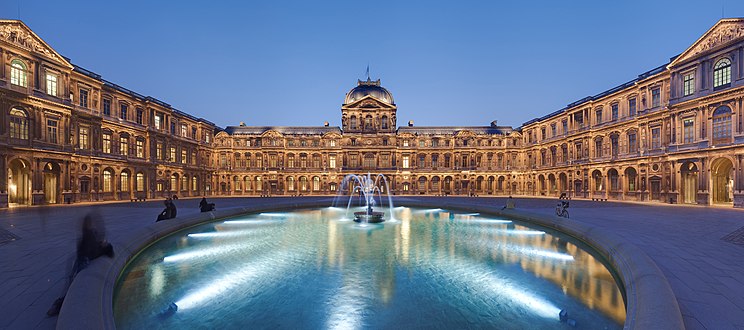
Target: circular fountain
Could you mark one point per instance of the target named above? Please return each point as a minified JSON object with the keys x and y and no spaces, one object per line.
{"x":366,"y":187}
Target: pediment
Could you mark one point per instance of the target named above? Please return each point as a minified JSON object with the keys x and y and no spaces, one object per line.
{"x":272,"y":134}
{"x":724,"y":33}
{"x":368,"y":101}
{"x":18,"y":34}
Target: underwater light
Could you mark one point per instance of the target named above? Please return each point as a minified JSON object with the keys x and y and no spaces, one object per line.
{"x":222,"y":234}
{"x":485,"y":221}
{"x":249,"y":222}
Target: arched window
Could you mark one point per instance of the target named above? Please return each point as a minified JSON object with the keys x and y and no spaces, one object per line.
{"x":303,"y":183}
{"x":384,"y":122}
{"x":185,"y":183}
{"x":18,"y":73}
{"x":174,"y":182}
{"x":194,"y":183}
{"x":108,"y":183}
{"x":722,"y":73}
{"x":124,"y":181}
{"x":316,"y":183}
{"x":140,"y":182}
{"x":722,"y":125}
{"x":290,"y":184}
{"x":18,"y":124}
{"x":368,"y":122}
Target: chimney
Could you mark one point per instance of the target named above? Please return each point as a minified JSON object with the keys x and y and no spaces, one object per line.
{"x":493,"y":123}
{"x":325,"y":124}
{"x":410,"y":123}
{"x":242,"y":124}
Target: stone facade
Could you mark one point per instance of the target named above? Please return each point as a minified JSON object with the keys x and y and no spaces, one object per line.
{"x":672,"y":134}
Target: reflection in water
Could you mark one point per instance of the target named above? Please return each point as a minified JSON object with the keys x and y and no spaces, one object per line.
{"x":432,"y":268}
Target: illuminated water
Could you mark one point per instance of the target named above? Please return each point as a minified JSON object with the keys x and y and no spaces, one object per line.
{"x":314,"y":269}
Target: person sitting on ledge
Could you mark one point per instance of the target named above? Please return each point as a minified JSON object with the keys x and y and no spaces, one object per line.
{"x":205,"y":206}
{"x":509,"y":203}
{"x":169,"y":212}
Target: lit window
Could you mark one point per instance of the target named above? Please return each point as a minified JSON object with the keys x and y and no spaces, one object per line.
{"x":51,"y":84}
{"x":18,"y":124}
{"x":159,"y":150}
{"x":184,"y":130}
{"x":18,"y":73}
{"x":722,"y":125}
{"x":405,"y":143}
{"x":722,"y":73}
{"x":332,"y":161}
{"x":689,"y":130}
{"x":124,"y":146}
{"x":140,"y":148}
{"x":124,"y":181}
{"x":108,"y":183}
{"x":688,"y":84}
{"x":184,"y":156}
{"x":316,"y":183}
{"x":83,"y":135}
{"x":106,"y":147}
{"x":172,"y":154}
{"x":140,"y":182}
{"x":158,"y":121}
{"x":405,"y":162}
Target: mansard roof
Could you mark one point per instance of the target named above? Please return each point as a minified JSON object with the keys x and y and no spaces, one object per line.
{"x":285,"y":130}
{"x":453,"y":130}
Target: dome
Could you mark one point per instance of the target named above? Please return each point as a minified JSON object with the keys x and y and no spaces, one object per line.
{"x":371,"y":88}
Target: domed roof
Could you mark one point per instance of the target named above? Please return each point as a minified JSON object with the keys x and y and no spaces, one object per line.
{"x":369,"y":87}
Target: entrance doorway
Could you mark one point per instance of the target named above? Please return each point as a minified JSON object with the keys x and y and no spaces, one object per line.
{"x":722,"y":175}
{"x":655,"y":183}
{"x":19,"y":182}
{"x":51,"y":183}
{"x":689,"y":173}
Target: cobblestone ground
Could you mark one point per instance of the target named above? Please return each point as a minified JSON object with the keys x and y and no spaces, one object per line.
{"x":698,"y":248}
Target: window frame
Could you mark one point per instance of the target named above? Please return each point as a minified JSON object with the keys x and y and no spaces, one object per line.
{"x":722,"y":73}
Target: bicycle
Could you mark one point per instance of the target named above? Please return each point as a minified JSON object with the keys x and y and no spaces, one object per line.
{"x":561,"y":209}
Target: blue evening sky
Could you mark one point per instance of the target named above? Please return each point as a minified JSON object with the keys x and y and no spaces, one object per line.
{"x":445,"y":62}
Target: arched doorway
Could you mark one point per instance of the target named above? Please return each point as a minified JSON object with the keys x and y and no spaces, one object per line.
{"x":689,"y":173}
{"x":563,"y":182}
{"x":51,"y":182}
{"x":19,"y":182}
{"x":722,"y":177}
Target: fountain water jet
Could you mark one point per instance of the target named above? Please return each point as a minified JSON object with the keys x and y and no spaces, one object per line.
{"x":366,"y":187}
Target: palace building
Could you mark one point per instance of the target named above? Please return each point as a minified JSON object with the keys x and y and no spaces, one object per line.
{"x":672,"y":134}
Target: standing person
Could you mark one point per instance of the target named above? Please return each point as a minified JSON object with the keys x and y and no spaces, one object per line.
{"x":92,"y":245}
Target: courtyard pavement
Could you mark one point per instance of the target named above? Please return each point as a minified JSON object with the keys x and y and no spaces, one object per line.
{"x":705,"y":271}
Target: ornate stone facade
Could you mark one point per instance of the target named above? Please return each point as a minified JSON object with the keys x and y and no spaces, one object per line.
{"x":673,"y":134}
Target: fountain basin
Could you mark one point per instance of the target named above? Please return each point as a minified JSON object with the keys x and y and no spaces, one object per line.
{"x":374,"y":217}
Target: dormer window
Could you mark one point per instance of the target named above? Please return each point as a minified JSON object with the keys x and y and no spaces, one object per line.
{"x":18,"y":73}
{"x":722,"y":74}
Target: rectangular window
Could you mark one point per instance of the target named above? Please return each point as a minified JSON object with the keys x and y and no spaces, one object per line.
{"x":84,"y":98}
{"x":689,"y":130}
{"x":405,"y":161}
{"x":193,"y":133}
{"x":52,"y":131}
{"x":565,"y":127}
{"x":106,"y":143}
{"x":599,"y":117}
{"x":632,"y":142}
{"x":688,"y":84}
{"x":51,"y":84}
{"x":159,"y":151}
{"x":656,"y":138}
{"x":123,"y":111}
{"x":173,"y":128}
{"x":598,"y":148}
{"x":140,"y":116}
{"x":655,"y":97}
{"x":422,"y":144}
{"x":159,"y":121}
{"x":184,"y":156}
{"x":632,"y":107}
{"x":140,"y":148}
{"x":83,"y":134}
{"x":184,"y":130}
{"x":107,"y":107}
{"x":615,"y":110}
{"x":579,"y":152}
{"x":172,"y":154}
{"x":332,"y":161}
{"x":124,"y":146}
{"x":405,"y":143}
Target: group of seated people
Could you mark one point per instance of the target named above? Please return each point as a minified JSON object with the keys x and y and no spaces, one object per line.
{"x":170,"y":208}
